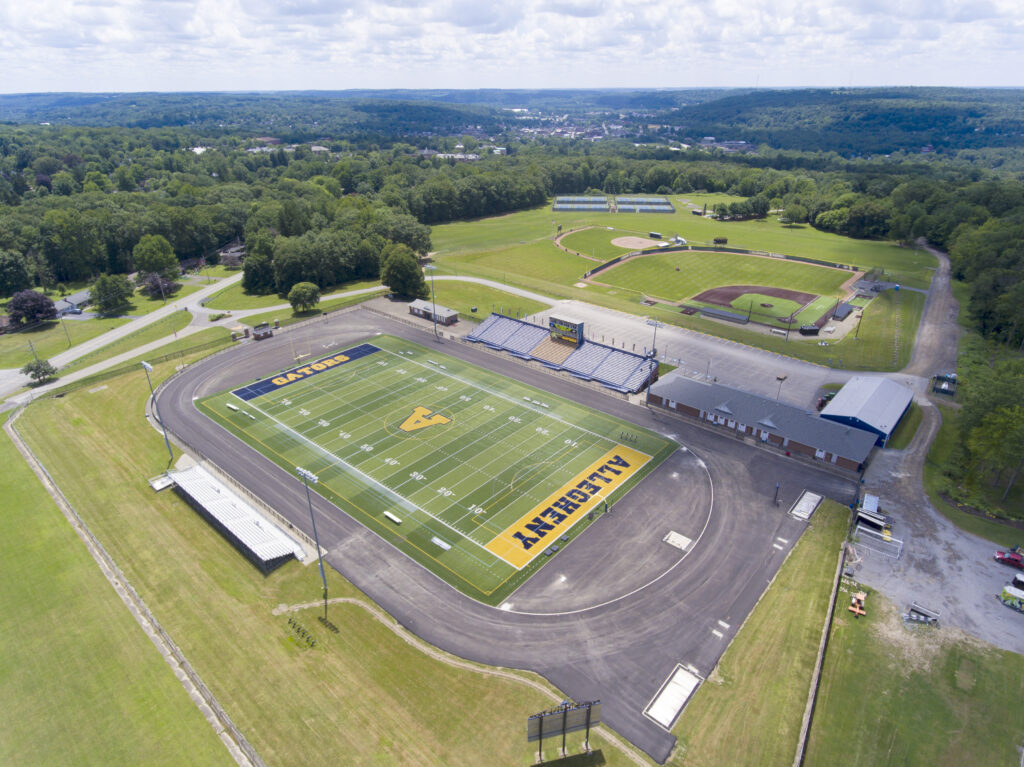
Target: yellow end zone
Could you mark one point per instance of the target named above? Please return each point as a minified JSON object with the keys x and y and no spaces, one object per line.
{"x":542,"y":526}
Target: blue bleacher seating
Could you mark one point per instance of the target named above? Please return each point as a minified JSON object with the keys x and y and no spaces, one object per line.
{"x":615,"y":368}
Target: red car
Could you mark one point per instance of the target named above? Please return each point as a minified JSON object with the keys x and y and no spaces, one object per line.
{"x":1012,"y":558}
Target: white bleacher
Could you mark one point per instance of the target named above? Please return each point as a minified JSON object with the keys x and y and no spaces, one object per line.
{"x":587,"y":358}
{"x":248,"y":526}
{"x":524,"y":339}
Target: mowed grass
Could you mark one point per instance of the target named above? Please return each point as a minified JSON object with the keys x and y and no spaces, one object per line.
{"x":288,"y":316}
{"x":500,"y":450}
{"x":678,"y":276}
{"x":910,"y":267}
{"x":750,"y":710}
{"x":596,"y":243}
{"x":892,"y":695}
{"x":906,"y":429}
{"x":463,"y":296}
{"x":49,"y":338}
{"x":81,"y":682}
{"x":363,"y":696}
{"x":142,"y":303}
{"x":234,"y":296}
{"x":165,"y":327}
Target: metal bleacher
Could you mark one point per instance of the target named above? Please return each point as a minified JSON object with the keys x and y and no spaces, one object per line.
{"x":586,"y":359}
{"x":495,"y":330}
{"x":615,"y":368}
{"x":525,"y":338}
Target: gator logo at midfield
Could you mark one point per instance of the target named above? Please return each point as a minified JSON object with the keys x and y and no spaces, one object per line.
{"x":421,"y":418}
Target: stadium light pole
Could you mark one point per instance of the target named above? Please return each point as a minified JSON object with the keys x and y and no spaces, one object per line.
{"x":433,"y":302}
{"x":156,"y":409}
{"x":654,"y":341}
{"x":307,"y":477}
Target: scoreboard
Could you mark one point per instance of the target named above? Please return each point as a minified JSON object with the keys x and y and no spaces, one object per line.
{"x":563,"y":329}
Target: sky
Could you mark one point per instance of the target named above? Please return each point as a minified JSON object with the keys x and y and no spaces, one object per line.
{"x":210,"y":45}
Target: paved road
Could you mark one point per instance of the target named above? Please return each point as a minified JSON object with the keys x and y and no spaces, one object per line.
{"x":12,"y":380}
{"x":616,"y":645}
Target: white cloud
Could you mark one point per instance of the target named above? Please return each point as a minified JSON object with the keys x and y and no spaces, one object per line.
{"x":278,"y":44}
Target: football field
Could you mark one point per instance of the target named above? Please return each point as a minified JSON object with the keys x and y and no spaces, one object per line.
{"x":479,"y":478}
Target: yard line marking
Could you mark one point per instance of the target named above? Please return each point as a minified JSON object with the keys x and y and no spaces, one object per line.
{"x":370,"y":480}
{"x":509,"y":399}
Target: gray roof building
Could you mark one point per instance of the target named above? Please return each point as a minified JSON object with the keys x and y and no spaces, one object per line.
{"x":874,"y":404}
{"x":785,"y":426}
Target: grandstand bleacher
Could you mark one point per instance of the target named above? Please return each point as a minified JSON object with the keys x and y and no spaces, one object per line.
{"x":615,"y":368}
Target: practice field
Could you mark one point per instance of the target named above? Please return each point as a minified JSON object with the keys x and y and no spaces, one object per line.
{"x":479,"y":478}
{"x":677,"y":276}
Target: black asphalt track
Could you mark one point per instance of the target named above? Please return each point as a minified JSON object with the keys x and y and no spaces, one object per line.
{"x":610,"y":616}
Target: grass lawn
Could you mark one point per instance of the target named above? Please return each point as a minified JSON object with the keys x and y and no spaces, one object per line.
{"x":49,"y":338}
{"x":289,"y":316}
{"x":81,"y":683}
{"x":143,"y":304}
{"x":363,"y":696}
{"x":711,"y":199}
{"x":678,"y":276}
{"x":463,"y":296}
{"x":906,"y":429}
{"x":235,"y":297}
{"x":516,"y":249}
{"x":938,"y":455}
{"x":595,"y":243}
{"x":750,"y":709}
{"x":159,"y":329}
{"x":910,"y":267}
{"x":892,"y":695}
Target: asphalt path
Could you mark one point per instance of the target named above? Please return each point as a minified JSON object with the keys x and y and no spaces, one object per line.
{"x":610,"y":616}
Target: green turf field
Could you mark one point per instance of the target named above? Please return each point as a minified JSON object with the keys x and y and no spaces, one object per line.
{"x":678,"y":276}
{"x":481,"y":475}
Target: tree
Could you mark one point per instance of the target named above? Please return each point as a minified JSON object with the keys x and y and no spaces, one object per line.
{"x":110,"y":292}
{"x":158,"y":286}
{"x":400,"y":271}
{"x":29,"y":306}
{"x":39,"y":370}
{"x":795,"y":214}
{"x":304,"y":296}
{"x":154,"y":255}
{"x":13,"y":273}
